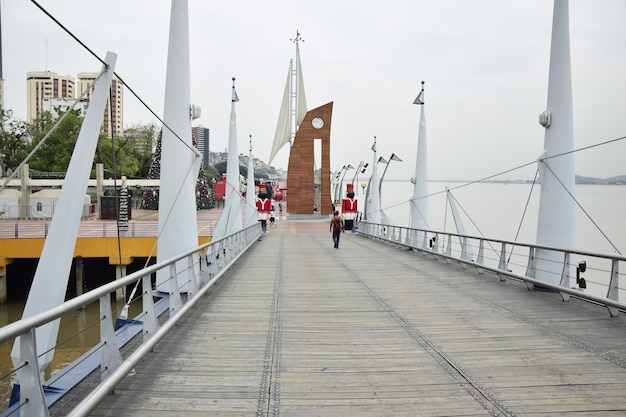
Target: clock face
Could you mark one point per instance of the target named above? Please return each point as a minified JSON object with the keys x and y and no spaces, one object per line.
{"x":317,"y":123}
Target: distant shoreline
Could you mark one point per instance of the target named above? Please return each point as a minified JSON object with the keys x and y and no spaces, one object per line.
{"x":621,"y":180}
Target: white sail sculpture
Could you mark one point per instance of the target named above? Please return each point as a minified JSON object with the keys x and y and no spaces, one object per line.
{"x":231,"y":217}
{"x":180,"y":160}
{"x":53,"y":271}
{"x":419,"y":202}
{"x":373,"y":210}
{"x":556,"y":219}
{"x":252,"y":216}
{"x":293,"y":108}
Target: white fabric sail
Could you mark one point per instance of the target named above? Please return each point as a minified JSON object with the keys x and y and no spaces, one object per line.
{"x":251,"y":211}
{"x":230,"y":219}
{"x":285,"y":127}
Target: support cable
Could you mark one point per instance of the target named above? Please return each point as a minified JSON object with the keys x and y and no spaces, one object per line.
{"x":581,"y":207}
{"x":523,"y":214}
{"x":190,"y":147}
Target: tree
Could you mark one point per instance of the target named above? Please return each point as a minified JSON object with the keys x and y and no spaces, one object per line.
{"x":122,"y":151}
{"x":56,"y":152}
{"x":14,"y":140}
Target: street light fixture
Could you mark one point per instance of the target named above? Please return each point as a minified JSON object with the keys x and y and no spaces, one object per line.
{"x":347,"y":167}
{"x":362,"y":167}
{"x":393,"y":157}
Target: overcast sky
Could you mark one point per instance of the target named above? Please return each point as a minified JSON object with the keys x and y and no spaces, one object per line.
{"x":485,"y":64}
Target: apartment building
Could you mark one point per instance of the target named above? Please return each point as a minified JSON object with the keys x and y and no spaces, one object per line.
{"x":46,"y":85}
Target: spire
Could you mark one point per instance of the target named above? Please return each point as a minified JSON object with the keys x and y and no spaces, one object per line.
{"x":373,"y":213}
{"x":251,"y":211}
{"x":556,"y":224}
{"x":230,"y":220}
{"x":419,"y":204}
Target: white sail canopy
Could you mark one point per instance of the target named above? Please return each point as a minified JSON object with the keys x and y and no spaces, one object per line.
{"x":285,"y":126}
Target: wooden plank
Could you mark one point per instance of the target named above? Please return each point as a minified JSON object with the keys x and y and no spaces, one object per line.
{"x":300,"y":329}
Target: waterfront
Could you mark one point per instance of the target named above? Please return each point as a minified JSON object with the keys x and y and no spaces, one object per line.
{"x":495,"y":208}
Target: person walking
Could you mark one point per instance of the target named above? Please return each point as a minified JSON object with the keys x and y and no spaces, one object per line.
{"x":336,"y":227}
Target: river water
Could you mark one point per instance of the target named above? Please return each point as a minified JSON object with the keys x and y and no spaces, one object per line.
{"x":495,"y":210}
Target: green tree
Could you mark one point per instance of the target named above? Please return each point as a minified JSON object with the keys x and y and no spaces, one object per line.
{"x":55,"y":154}
{"x":119,"y":157}
{"x":14,"y":140}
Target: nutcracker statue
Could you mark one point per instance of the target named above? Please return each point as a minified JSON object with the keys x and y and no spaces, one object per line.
{"x":349,"y":208}
{"x":263,"y":206}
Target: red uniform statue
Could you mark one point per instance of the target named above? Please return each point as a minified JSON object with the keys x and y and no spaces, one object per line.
{"x":263,"y":206}
{"x":349,"y":207}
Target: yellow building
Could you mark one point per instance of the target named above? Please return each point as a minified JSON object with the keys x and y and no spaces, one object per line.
{"x":45,"y":85}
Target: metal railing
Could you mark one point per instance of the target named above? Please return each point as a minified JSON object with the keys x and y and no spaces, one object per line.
{"x":204,"y":266}
{"x":600,"y":285}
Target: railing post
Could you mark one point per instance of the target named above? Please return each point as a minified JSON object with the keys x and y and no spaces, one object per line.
{"x":613,"y":292}
{"x":502,"y":263}
{"x":481,"y":252}
{"x":463,"y":256}
{"x":449,"y":249}
{"x":530,"y":267}
{"x":204,"y":269}
{"x":32,"y":400}
{"x":565,"y":275}
{"x":191,"y":275}
{"x":150,"y":321}
{"x":176,"y":302}
{"x":110,"y":358}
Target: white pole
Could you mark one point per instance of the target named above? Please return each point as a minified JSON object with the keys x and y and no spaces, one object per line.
{"x":556,"y":219}
{"x":419,"y":204}
{"x":178,"y":229}
{"x":50,"y":281}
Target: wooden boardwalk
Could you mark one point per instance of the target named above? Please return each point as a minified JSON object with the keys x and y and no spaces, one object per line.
{"x":301,"y":329}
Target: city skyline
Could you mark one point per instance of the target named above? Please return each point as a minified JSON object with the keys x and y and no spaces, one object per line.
{"x":485,"y":65}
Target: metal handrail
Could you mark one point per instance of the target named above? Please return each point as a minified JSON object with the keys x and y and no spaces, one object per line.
{"x":454,"y":243}
{"x":214,"y":259}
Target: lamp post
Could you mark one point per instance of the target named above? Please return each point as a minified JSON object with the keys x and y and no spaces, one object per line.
{"x":339,"y":184}
{"x":393,"y":157}
{"x":362,"y":167}
{"x":347,"y":167}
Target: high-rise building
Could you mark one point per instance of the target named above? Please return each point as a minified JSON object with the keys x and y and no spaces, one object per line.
{"x":201,"y":136}
{"x":143,"y":136}
{"x":45,"y":85}
{"x":113,"y":123}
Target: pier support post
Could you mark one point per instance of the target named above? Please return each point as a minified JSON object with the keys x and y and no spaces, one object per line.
{"x":4,"y":292}
{"x":80,"y":277}
{"x":120,"y":272}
